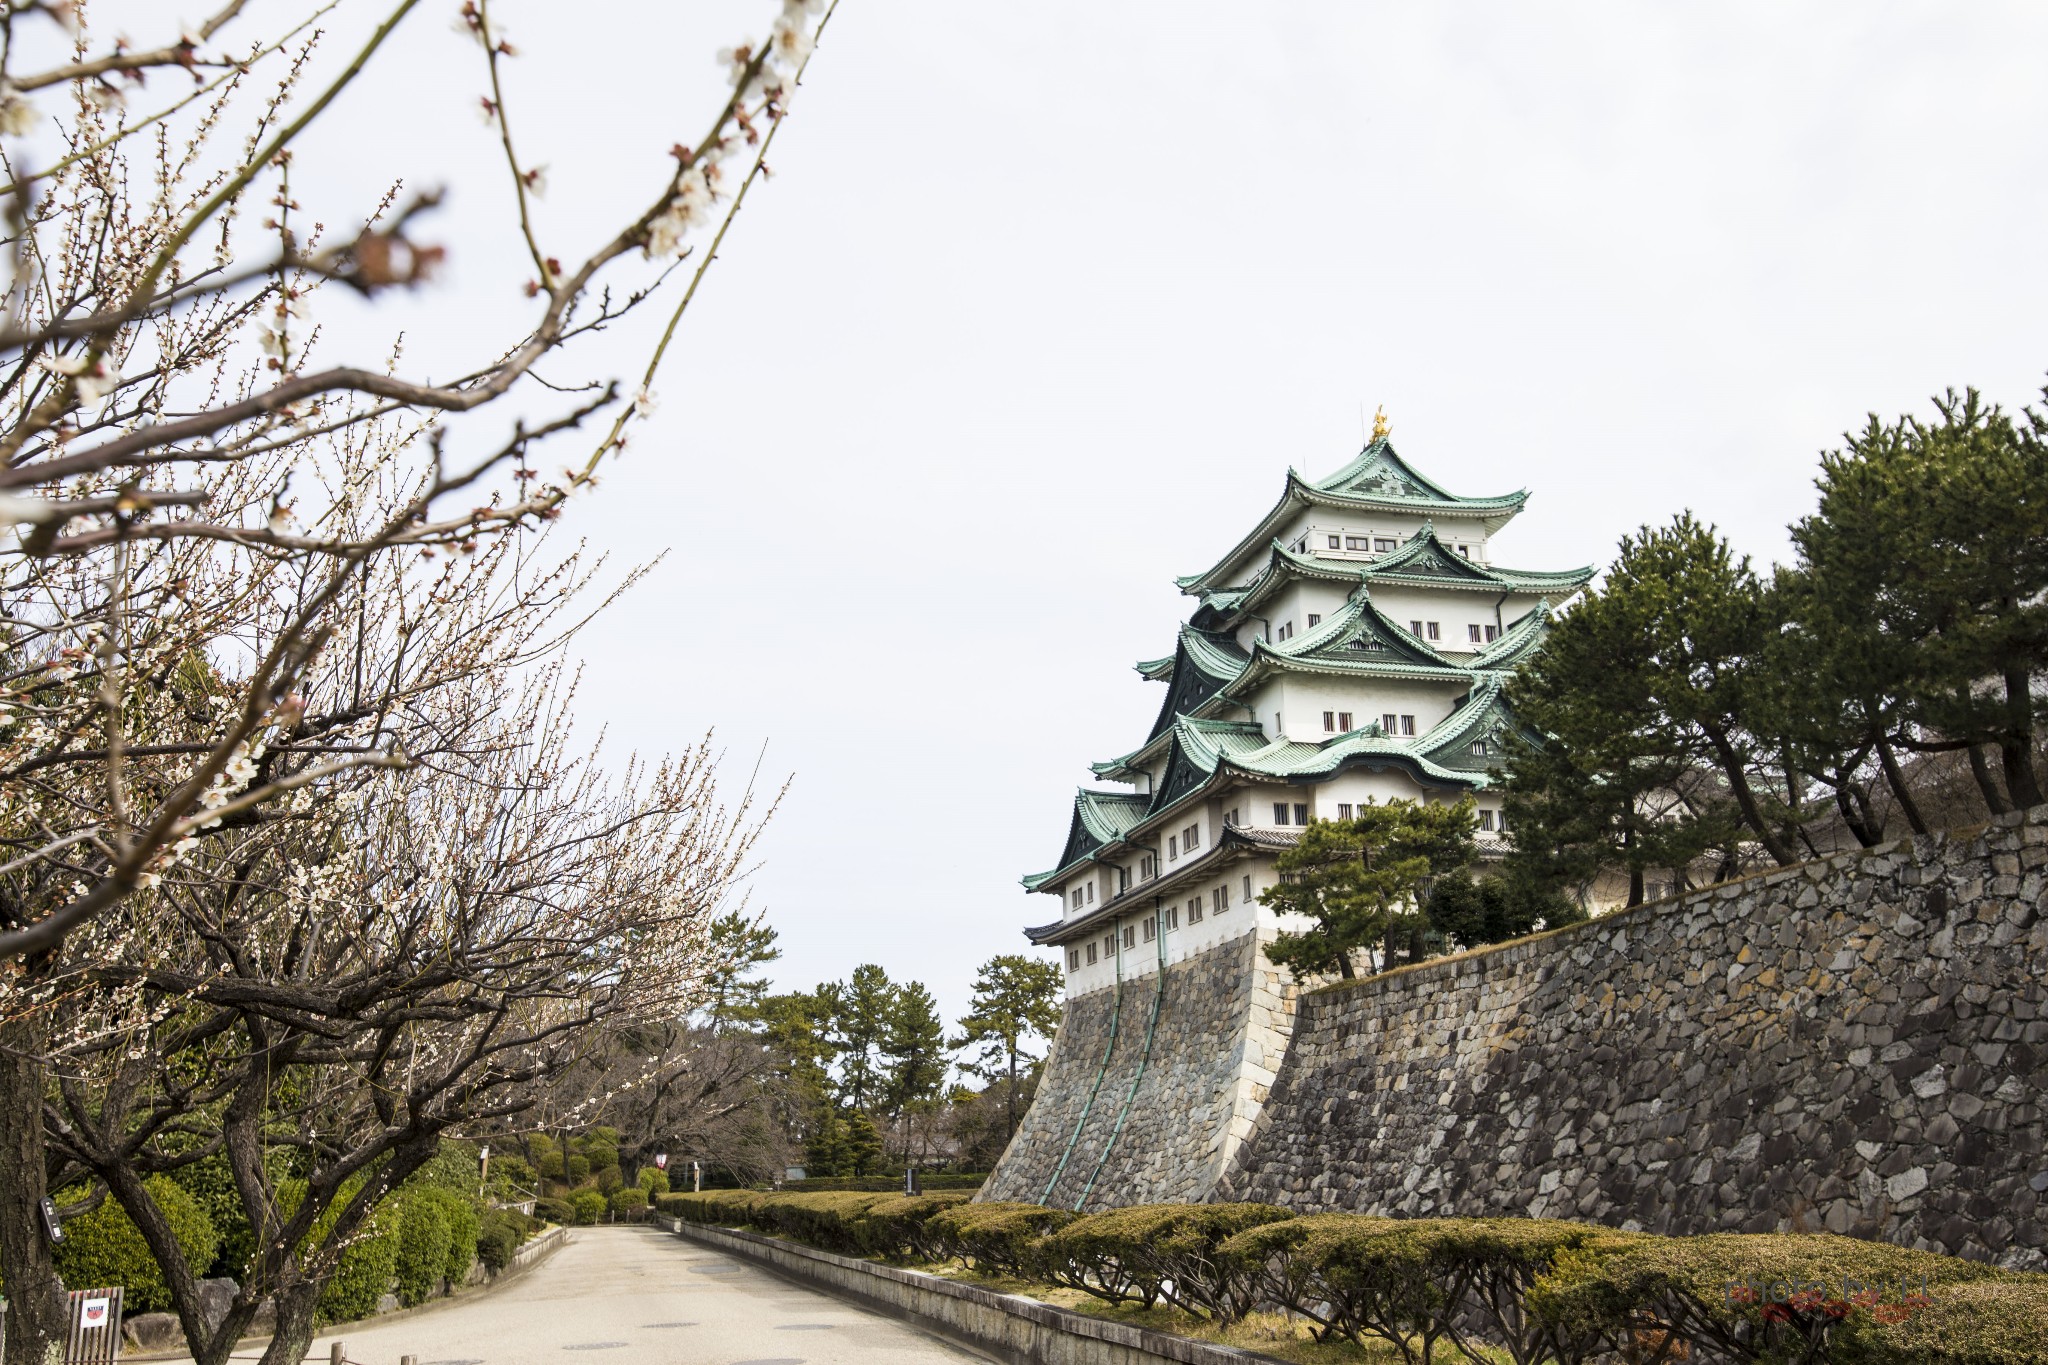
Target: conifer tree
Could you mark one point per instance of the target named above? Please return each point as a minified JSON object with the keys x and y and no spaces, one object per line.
{"x":1362,"y":881}
{"x":1015,"y":997}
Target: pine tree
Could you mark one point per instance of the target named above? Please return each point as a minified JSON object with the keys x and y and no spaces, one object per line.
{"x":1362,"y":881}
{"x":739,"y":948}
{"x":1015,"y":997}
{"x":863,"y":1144}
{"x":862,"y":1008}
{"x":913,"y":1051}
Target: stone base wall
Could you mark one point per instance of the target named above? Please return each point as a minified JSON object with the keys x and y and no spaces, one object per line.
{"x":1858,"y":1045}
{"x":1137,"y":1109}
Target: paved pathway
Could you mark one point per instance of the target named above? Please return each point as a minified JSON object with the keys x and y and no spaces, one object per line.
{"x":642,"y":1296}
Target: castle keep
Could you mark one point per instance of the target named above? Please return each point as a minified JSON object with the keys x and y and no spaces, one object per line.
{"x":1350,"y":649}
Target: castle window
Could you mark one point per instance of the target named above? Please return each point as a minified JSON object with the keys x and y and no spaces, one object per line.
{"x":1415,"y":628}
{"x":1407,"y":725}
{"x":1151,"y":932}
{"x":1247,"y":886}
{"x":1073,"y":959}
{"x":1195,"y":910}
{"x":1301,"y":812}
{"x":1173,"y":916}
{"x":1077,"y":898}
{"x":1131,"y":936}
{"x":1145,"y":868}
{"x":1465,"y":550}
{"x":1330,"y":722}
{"x":1486,"y":820}
{"x":1473,"y":633}
{"x":1219,"y":899}
{"x":1344,"y":721}
{"x":1492,"y":634}
{"x":1391,"y":723}
{"x":1172,"y":846}
{"x":1091,"y":954}
{"x":1279,"y":812}
{"x":1343,"y":810}
{"x":1432,"y":630}
{"x":1383,"y":546}
{"x":1314,"y":620}
{"x":1091,"y":893}
{"x":1357,"y":543}
{"x":1109,"y":944}
{"x":1192,"y":837}
{"x":1479,"y":748}
{"x":1335,"y":543}
{"x":1123,"y":880}
{"x":1230,"y":816}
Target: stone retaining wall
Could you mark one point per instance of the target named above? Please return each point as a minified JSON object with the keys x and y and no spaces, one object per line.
{"x":1858,"y":1045}
{"x":1158,"y":1122}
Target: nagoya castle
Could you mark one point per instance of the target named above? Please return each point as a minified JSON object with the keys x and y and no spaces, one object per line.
{"x":1350,"y":649}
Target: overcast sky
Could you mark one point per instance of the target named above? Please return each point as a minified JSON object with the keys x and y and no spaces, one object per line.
{"x":1045,"y":298}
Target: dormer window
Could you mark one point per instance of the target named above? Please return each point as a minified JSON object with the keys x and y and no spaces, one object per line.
{"x":1465,"y":550}
{"x":1479,"y":748}
{"x":1432,"y":630}
{"x":1383,"y":546}
{"x":1486,"y":821}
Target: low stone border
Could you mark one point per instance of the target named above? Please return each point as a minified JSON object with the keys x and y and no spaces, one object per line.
{"x":1012,"y":1328}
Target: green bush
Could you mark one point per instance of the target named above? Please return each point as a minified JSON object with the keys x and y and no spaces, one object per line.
{"x":876,"y":1184}
{"x":363,"y":1275}
{"x":1766,"y":1296}
{"x":601,"y":1155}
{"x":1001,"y":1237}
{"x":629,"y":1203}
{"x":1163,"y":1250}
{"x":549,"y":1164}
{"x":724,"y":1208}
{"x":609,"y":1179}
{"x":822,"y":1220}
{"x":496,"y":1240}
{"x":554,"y":1210}
{"x":423,"y":1238}
{"x":105,"y":1248}
{"x":587,"y":1207}
{"x":653,"y":1180}
{"x":578,"y":1169}
{"x":464,"y":1221}
{"x":898,"y":1227}
{"x":605,"y":1135}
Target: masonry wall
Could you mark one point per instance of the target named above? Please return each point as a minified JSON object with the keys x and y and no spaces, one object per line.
{"x":1123,"y":1120}
{"x":1858,"y":1046}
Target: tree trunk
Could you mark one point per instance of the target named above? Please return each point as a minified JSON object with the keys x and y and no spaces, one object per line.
{"x":1902,"y":790}
{"x":294,"y":1334}
{"x":1986,"y":783}
{"x":1745,"y":798}
{"x":2017,"y":748}
{"x":1013,"y":1093}
{"x":35,"y":1312}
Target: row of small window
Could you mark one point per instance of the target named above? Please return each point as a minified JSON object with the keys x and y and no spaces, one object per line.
{"x":1187,"y":841}
{"x":1434,"y":630}
{"x":1215,"y":903}
{"x":1378,"y":545}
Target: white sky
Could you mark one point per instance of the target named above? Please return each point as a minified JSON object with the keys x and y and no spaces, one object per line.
{"x":1045,"y":298}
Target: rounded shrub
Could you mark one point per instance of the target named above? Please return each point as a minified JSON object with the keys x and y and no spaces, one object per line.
{"x":363,"y":1275}
{"x":554,"y":1210}
{"x":105,"y":1248}
{"x":549,"y":1164}
{"x":609,"y":1179}
{"x":601,"y":1155}
{"x":630,"y":1202}
{"x":578,"y":1169}
{"x":423,"y":1237}
{"x":587,"y":1207}
{"x":654,"y":1180}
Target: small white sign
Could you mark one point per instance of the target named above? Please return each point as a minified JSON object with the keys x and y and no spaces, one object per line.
{"x":93,"y":1312}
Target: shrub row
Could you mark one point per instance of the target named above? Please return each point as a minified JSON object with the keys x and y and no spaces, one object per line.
{"x":1544,"y":1290}
{"x":882,"y":1184}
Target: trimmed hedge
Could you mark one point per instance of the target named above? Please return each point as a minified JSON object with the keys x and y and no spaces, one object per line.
{"x":105,"y":1248}
{"x":878,"y":1184}
{"x":586,"y":1208}
{"x":1542,"y":1289}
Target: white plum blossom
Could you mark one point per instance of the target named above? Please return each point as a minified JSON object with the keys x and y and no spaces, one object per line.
{"x":735,"y":59}
{"x":789,"y":41}
{"x":17,"y":115}
{"x":644,"y":404}
{"x":92,"y":380}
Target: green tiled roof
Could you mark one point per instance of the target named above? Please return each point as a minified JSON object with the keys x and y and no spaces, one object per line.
{"x":1523,"y":637}
{"x":1099,"y":818}
{"x":1378,"y":480}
